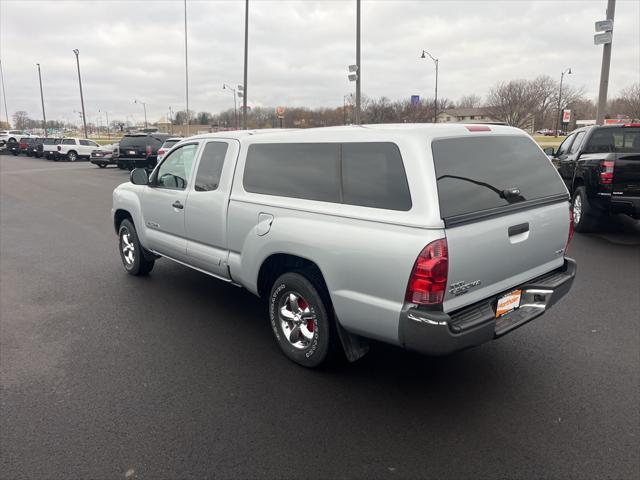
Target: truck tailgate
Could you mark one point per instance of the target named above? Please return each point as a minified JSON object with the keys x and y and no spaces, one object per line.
{"x":489,"y":260}
{"x":626,"y":175}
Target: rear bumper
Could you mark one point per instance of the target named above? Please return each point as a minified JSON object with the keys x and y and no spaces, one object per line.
{"x":628,"y":205}
{"x":439,"y":333}
{"x":131,"y":163}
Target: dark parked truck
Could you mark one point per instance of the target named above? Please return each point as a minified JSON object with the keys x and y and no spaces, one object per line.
{"x":601,"y":167}
{"x":140,"y":150}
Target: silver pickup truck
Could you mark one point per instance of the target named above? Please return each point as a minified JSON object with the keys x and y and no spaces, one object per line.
{"x":434,"y":238}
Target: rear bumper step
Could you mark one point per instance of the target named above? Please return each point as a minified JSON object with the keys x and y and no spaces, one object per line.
{"x":439,"y":333}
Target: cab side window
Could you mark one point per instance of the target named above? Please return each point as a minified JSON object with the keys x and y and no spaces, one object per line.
{"x":563,"y":149}
{"x":175,"y":170}
{"x":577,"y":142}
{"x":210,"y":168}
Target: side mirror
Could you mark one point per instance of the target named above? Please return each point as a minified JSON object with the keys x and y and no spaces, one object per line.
{"x":139,"y":176}
{"x":549,"y":151}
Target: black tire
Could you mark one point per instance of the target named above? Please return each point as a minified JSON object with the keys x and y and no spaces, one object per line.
{"x":72,"y":156}
{"x":101,"y":165}
{"x":585,"y":218}
{"x":15,"y":154}
{"x":120,"y":166}
{"x":315,"y":342}
{"x":136,"y":262}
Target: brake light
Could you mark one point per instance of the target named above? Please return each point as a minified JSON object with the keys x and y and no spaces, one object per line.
{"x":149,"y":150}
{"x":606,"y":175}
{"x":478,"y":128}
{"x":428,"y":279}
{"x":160,"y":151}
{"x":571,"y":230}
{"x":631,"y":125}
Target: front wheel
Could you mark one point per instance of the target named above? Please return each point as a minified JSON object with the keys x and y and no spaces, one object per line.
{"x":102,"y":165}
{"x":301,"y":320}
{"x":131,"y":252}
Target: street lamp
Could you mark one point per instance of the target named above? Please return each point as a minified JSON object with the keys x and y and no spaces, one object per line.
{"x":44,"y":117}
{"x":235,"y":108}
{"x":435,"y":102}
{"x":84,"y":118}
{"x":144,"y":106}
{"x":568,"y":72}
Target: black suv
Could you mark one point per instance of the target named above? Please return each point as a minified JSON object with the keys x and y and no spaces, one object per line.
{"x":601,"y":167}
{"x":140,"y":150}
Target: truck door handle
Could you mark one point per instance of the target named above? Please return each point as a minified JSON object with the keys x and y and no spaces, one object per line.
{"x":518,"y":229}
{"x":177,"y":204}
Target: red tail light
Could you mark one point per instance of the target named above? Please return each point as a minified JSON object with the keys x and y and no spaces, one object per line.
{"x":478,"y":128}
{"x":571,"y":230}
{"x":606,"y":174}
{"x":149,"y":151}
{"x":160,"y":151}
{"x":428,"y":279}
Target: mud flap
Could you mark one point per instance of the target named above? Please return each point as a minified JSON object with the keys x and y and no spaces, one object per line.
{"x":355,"y":347}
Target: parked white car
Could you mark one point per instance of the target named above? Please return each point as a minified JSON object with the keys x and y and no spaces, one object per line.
{"x":12,"y":136}
{"x":166,"y":146}
{"x":74,"y":148}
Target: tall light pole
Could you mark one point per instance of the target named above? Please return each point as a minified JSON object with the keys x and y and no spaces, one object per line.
{"x":186,"y":66}
{"x":435,"y":101}
{"x":171,"y":119}
{"x":44,"y":117}
{"x":144,"y":106}
{"x":246,"y":64}
{"x":358,"y":66}
{"x":84,"y":117}
{"x":4,"y":94}
{"x":235,"y":108}
{"x":559,"y":115}
{"x":604,"y":71}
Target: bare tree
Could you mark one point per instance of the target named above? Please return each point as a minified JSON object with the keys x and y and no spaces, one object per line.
{"x":630,"y":97}
{"x":21,"y":119}
{"x":469,"y":101}
{"x":514,"y":102}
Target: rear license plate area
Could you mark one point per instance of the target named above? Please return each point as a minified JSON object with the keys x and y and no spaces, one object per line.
{"x":507,"y":303}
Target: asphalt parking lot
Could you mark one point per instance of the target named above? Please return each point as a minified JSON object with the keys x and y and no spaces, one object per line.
{"x":176,"y":375}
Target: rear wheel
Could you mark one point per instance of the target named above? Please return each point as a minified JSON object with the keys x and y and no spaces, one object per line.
{"x":585,"y":218}
{"x":302,"y":320}
{"x":131,"y":252}
{"x":72,"y":156}
{"x":101,"y":165}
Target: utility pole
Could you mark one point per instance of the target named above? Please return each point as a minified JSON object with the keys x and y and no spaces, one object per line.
{"x":359,"y":67}
{"x":186,"y":65}
{"x":44,"y":117}
{"x":246,"y":62}
{"x":4,"y":94}
{"x":171,"y":119}
{"x":84,"y":117}
{"x":604,"y":72}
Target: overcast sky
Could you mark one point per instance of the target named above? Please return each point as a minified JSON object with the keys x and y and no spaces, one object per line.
{"x":298,"y":50}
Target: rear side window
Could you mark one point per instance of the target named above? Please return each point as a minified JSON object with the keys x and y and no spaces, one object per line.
{"x":68,"y":141}
{"x":210,"y":168}
{"x":298,"y":170}
{"x":483,"y":173}
{"x":373,"y":176}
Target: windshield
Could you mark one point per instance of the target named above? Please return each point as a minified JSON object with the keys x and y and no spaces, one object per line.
{"x":614,"y":139}
{"x":482,"y":173}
